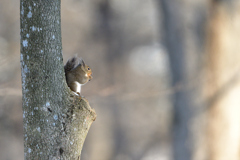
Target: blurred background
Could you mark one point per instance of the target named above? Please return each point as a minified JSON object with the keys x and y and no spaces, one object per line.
{"x":166,"y":77}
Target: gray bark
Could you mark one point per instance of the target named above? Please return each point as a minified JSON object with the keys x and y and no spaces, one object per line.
{"x":174,"y":41}
{"x":183,"y":28}
{"x":56,"y":121}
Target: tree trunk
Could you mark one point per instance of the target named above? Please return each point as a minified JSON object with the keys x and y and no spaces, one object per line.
{"x":183,"y":23}
{"x":56,"y":121}
{"x":223,"y":84}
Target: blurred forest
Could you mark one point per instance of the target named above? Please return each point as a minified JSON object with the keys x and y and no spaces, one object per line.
{"x":166,"y":77}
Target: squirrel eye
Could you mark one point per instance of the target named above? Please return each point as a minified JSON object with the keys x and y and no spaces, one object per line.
{"x":88,"y":68}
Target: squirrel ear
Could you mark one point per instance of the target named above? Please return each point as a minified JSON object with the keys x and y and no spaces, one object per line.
{"x":83,"y":63}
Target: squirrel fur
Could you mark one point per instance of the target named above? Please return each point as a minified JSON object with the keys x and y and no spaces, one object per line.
{"x":77,"y":73}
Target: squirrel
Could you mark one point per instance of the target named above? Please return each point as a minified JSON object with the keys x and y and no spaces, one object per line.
{"x":77,"y":73}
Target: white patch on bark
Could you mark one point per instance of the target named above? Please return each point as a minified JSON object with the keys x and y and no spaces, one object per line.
{"x":45,"y":107}
{"x":22,"y":11}
{"x":24,"y":73}
{"x":29,"y":15}
{"x":47,"y":104}
{"x":21,"y":57}
{"x":55,"y":117}
{"x":25,"y":43}
{"x":23,"y":114}
{"x":33,"y":28}
{"x":25,"y":70}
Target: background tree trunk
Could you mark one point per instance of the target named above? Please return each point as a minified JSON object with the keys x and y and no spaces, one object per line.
{"x":56,"y":121}
{"x":223,"y":84}
{"x":181,"y":31}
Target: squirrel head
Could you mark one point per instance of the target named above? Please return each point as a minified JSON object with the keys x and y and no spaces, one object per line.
{"x":86,"y":69}
{"x":77,"y":73}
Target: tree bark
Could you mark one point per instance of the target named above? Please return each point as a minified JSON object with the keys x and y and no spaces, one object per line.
{"x":223,"y":80}
{"x":183,"y":39}
{"x":56,"y":121}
